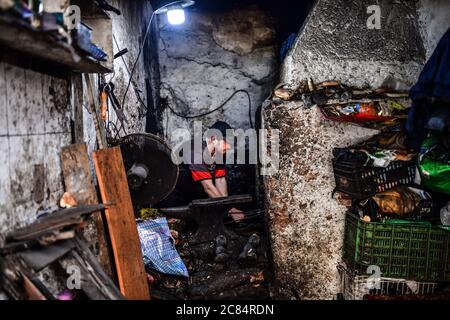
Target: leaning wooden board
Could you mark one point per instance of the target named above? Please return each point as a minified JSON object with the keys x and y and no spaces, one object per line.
{"x":78,"y":182}
{"x":121,"y":223}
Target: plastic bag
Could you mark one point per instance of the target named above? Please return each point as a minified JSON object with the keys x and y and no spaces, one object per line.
{"x":434,"y":163}
{"x":158,"y":248}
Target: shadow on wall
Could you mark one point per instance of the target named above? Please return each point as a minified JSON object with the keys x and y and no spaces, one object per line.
{"x":214,"y":54}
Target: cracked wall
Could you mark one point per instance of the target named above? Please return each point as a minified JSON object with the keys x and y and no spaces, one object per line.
{"x":205,"y":60}
{"x":36,"y":110}
{"x":35,"y":118}
{"x":128,"y":32}
{"x":306,"y":223}
{"x":434,"y":21}
{"x":337,"y":39}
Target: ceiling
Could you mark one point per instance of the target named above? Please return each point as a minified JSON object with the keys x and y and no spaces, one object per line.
{"x":289,"y":14}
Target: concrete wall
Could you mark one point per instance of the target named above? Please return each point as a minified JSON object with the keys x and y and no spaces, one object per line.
{"x":35,"y":115}
{"x":128,"y":30}
{"x":336,"y":43}
{"x":35,"y":118}
{"x":306,"y":223}
{"x":203,"y":61}
{"x":434,"y":21}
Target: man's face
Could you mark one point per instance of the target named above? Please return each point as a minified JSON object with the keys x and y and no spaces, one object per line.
{"x":222,"y":146}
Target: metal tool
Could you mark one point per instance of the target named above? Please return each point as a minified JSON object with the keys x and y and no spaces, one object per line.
{"x":103,"y":4}
{"x":208,"y":214}
{"x":109,"y":89}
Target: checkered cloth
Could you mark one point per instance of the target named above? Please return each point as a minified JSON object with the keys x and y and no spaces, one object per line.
{"x":158,"y":248}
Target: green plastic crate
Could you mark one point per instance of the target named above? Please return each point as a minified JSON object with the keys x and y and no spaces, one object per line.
{"x":408,"y":251}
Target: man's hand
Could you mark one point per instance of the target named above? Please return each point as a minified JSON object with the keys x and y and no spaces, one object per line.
{"x":210,"y":189}
{"x":236,"y":214}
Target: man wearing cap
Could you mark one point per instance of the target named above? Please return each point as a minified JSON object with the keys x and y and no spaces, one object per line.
{"x":203,"y":175}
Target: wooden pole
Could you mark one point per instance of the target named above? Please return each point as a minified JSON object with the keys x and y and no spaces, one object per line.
{"x":99,"y":126}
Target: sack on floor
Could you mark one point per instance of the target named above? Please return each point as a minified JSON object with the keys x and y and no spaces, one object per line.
{"x":158,"y":248}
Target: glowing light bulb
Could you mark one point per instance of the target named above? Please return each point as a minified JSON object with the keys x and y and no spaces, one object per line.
{"x":176,"y":16}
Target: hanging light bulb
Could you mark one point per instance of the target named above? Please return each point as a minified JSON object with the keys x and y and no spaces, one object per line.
{"x":176,"y":16}
{"x":175,"y":11}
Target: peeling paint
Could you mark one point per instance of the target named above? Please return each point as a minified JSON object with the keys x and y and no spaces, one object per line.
{"x":210,"y":57}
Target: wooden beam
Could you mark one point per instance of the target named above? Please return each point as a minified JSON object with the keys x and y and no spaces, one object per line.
{"x":98,"y":122}
{"x":76,"y":101}
{"x":121,"y":223}
{"x":78,"y":182}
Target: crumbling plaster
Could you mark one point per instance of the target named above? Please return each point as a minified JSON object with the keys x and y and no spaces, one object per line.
{"x":128,"y":32}
{"x":306,"y":223}
{"x":336,"y":43}
{"x":205,"y":60}
{"x":35,"y":123}
{"x":434,"y":21}
{"x":35,"y":117}
{"x":129,"y":29}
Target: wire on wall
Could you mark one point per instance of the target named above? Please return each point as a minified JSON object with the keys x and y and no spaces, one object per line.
{"x":217,"y":108}
{"x":147,"y":31}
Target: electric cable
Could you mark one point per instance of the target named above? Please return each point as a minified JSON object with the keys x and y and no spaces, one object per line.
{"x":136,"y":91}
{"x":143,"y":43}
{"x":218,"y":108}
{"x":138,"y":56}
{"x":170,"y":108}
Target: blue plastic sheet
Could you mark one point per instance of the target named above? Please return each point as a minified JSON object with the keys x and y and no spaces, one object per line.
{"x":158,"y":248}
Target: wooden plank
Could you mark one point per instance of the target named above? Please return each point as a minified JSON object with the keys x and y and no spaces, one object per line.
{"x":78,"y":182}
{"x":76,"y":95}
{"x":108,"y":288}
{"x":121,"y":223}
{"x":98,"y":122}
{"x":54,"y":222}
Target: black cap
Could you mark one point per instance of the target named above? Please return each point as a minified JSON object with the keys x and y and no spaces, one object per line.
{"x":222,"y":127}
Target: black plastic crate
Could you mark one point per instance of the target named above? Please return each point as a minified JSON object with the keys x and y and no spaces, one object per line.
{"x":362,"y":182}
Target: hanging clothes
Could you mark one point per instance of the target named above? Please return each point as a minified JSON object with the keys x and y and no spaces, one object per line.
{"x":432,"y":90}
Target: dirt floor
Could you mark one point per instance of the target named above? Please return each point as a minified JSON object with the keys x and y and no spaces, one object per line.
{"x":239,"y":271}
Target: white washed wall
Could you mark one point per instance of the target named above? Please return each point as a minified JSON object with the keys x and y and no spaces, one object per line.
{"x":34,"y":125}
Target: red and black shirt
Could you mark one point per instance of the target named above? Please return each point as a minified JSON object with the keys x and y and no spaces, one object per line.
{"x":190,"y":174}
{"x":204,"y":170}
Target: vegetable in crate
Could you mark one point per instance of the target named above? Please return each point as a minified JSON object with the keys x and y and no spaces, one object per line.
{"x":434,"y":163}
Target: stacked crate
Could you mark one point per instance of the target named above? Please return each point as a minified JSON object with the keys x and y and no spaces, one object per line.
{"x":414,"y":253}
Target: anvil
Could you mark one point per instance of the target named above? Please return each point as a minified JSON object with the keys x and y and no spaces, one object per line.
{"x":208,"y":214}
